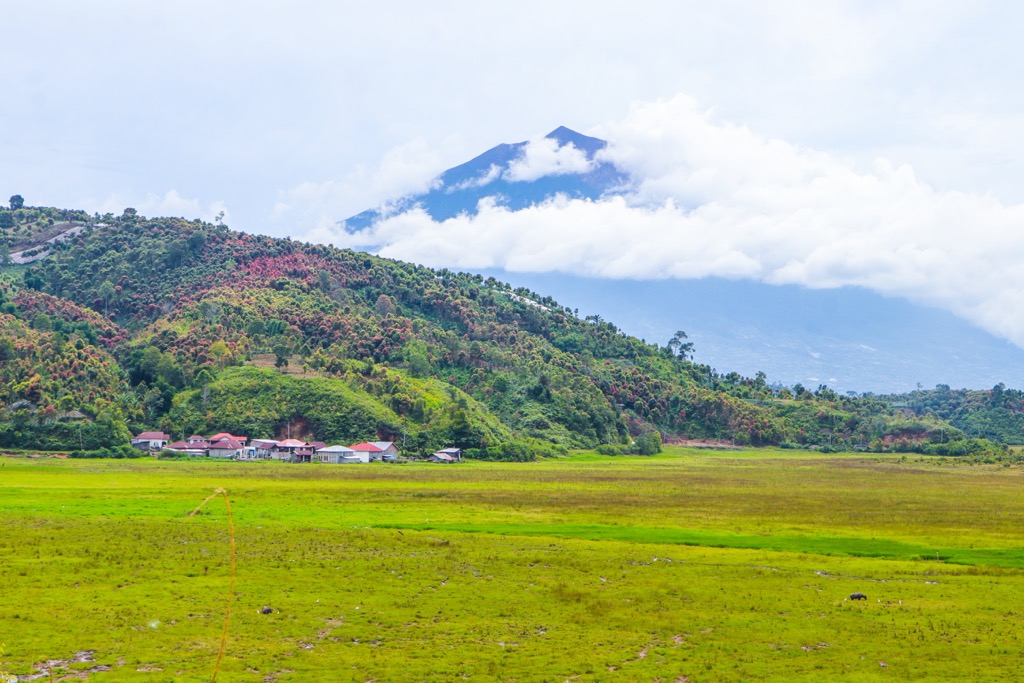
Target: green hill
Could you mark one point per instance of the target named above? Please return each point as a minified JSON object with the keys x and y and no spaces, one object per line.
{"x":169,"y":318}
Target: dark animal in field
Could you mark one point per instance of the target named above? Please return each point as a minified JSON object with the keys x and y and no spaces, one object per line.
{"x":267,"y":610}
{"x":858,"y":596}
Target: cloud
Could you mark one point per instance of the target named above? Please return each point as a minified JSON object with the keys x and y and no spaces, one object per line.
{"x":492,"y":174}
{"x":544,"y":157}
{"x":408,"y":169}
{"x":717,"y":199}
{"x":170,"y":204}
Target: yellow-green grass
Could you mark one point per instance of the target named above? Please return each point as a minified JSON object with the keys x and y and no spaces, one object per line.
{"x":695,"y":565}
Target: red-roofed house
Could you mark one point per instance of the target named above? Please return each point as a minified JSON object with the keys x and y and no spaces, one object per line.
{"x":186,"y":447}
{"x":368,"y":452}
{"x":225,"y":448}
{"x":287,"y":449}
{"x":151,"y":441}
{"x":224,"y":435}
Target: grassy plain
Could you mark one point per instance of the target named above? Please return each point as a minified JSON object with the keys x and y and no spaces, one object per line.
{"x":690,"y":566}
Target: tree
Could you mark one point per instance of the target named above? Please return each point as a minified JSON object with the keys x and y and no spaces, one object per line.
{"x":153,"y":402}
{"x":324,"y":281}
{"x":6,"y":220}
{"x":220,"y":352}
{"x":678,"y":347}
{"x":106,"y":292}
{"x":17,"y":201}
{"x":196,"y":241}
{"x":169,"y":370}
{"x":416,"y":359}
{"x":649,"y":443}
{"x":6,"y":349}
{"x":42,"y":322}
{"x":33,"y":279}
{"x":385,"y":305}
{"x":281,"y":353}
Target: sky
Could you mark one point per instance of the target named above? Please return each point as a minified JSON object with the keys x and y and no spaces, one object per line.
{"x":819,"y":143}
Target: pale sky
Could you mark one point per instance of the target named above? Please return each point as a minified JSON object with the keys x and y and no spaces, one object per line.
{"x":871,"y":143}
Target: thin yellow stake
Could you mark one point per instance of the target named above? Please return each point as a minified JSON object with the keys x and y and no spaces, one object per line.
{"x":231,"y":582}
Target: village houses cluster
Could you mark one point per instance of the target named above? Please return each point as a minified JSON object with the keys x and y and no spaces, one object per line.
{"x":231,"y":447}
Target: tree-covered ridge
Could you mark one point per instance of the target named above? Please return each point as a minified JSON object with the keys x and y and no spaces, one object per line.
{"x":59,"y":372}
{"x":62,"y":315}
{"x":996,"y":413}
{"x":24,"y":227}
{"x":436,"y":356}
{"x":369,"y":399}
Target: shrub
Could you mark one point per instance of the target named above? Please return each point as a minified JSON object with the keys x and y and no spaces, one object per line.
{"x":649,"y":443}
{"x":524,"y":450}
{"x":121,"y":451}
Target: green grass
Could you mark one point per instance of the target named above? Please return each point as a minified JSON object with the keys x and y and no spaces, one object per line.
{"x":693,"y":565}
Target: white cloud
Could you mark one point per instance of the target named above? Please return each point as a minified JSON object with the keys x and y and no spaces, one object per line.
{"x":719,"y":199}
{"x":170,"y":204}
{"x":543,"y":157}
{"x":408,"y":169}
{"x":492,"y":174}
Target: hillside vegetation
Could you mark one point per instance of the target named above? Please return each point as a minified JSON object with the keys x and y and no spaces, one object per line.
{"x":996,"y":413}
{"x":151,"y":323}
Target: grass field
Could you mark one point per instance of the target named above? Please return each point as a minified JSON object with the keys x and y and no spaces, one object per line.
{"x":690,"y":566}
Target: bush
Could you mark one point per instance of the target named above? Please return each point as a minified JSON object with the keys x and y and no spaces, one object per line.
{"x":122,"y":451}
{"x":649,"y":443}
{"x":62,"y":436}
{"x":524,"y":450}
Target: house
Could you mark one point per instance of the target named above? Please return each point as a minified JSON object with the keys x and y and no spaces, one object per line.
{"x":389,"y":451}
{"x":456,"y":453}
{"x":184,"y":447}
{"x":151,"y":441}
{"x":337,"y":455}
{"x":302,"y":455}
{"x":371,"y":452}
{"x":196,"y":441}
{"x":280,"y":454}
{"x":263,"y":449}
{"x":440,"y":457}
{"x":243,"y":440}
{"x":225,"y":448}
{"x":286,"y":450}
{"x":247,"y":453}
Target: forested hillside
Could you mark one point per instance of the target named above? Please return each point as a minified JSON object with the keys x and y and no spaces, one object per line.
{"x":188,"y":327}
{"x":996,"y":413}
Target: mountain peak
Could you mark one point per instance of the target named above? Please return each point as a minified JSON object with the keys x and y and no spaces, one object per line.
{"x":461,"y":188}
{"x":585,"y":143}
